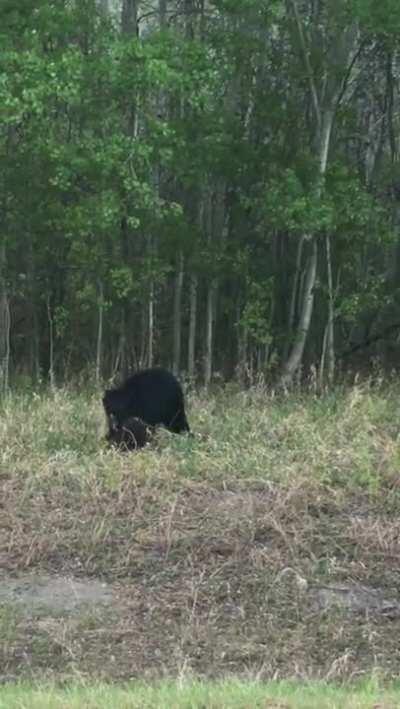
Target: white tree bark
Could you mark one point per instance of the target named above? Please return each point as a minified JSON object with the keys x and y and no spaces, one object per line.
{"x":330,"y":332}
{"x":99,"y":347}
{"x":326,"y":99}
{"x":52,"y":377}
{"x":5,"y":325}
{"x":192,"y":325}
{"x":150,"y":340}
{"x":178,"y":315}
{"x":296,"y":290}
{"x":209,"y":334}
{"x":295,"y":358}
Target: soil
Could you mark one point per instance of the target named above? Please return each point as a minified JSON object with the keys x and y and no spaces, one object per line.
{"x":44,"y":595}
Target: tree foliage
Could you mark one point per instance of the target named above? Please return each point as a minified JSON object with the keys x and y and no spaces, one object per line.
{"x":185,"y":156}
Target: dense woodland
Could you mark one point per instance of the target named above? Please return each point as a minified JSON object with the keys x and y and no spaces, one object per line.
{"x":213,"y":186}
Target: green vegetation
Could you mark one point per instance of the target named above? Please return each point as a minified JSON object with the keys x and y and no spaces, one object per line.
{"x":208,"y":185}
{"x":196,"y":695}
{"x":347,"y":438}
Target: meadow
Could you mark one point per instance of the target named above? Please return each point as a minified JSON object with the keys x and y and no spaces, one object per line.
{"x":264,"y":549}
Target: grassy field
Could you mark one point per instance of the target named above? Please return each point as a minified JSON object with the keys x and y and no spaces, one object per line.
{"x":267,"y":547}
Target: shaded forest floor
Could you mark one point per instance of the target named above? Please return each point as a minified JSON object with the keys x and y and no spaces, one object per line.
{"x":266,"y":547}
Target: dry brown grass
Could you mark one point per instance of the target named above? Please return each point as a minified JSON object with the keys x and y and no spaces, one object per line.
{"x":267,"y":547}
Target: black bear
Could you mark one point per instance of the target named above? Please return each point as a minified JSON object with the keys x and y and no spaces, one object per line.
{"x":152,"y":395}
{"x":132,"y":434}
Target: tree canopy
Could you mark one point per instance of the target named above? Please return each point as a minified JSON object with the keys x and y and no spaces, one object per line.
{"x":207,"y":185}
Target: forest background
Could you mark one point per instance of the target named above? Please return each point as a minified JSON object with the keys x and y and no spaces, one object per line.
{"x":211,"y":186}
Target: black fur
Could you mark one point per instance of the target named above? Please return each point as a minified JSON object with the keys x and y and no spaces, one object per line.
{"x":132,"y":434}
{"x":152,"y":395}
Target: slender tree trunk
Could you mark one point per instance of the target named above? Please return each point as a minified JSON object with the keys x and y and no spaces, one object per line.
{"x":327,"y":89}
{"x":99,"y":348}
{"x":208,"y":355}
{"x":162,"y":13}
{"x":192,"y":325}
{"x":35,"y":346}
{"x":51,"y":344}
{"x":151,"y":302}
{"x":129,"y":17}
{"x":330,"y":342}
{"x":295,"y":292}
{"x":295,"y":358}
{"x":150,"y":339}
{"x":293,"y":363}
{"x":129,"y":26}
{"x":323,"y":358}
{"x":189,"y":10}
{"x":193,"y":299}
{"x":143,"y":338}
{"x":5,"y":325}
{"x":178,"y":315}
{"x":243,"y":345}
{"x":34,"y":365}
{"x":208,"y":359}
{"x":120,"y":363}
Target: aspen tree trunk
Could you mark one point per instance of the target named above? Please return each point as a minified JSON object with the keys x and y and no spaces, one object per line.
{"x":178,"y":315}
{"x":150,"y":341}
{"x":189,"y":10}
{"x":217,"y":232}
{"x":294,"y":360}
{"x":208,"y":355}
{"x":243,"y":338}
{"x":35,"y":358}
{"x":150,"y":308}
{"x":129,"y":17}
{"x":120,"y":363}
{"x":51,"y":344}
{"x":34,"y":365}
{"x":192,"y":325}
{"x":162,"y":13}
{"x":5,"y":325}
{"x":193,"y":299}
{"x":209,"y":334}
{"x":326,"y":97}
{"x":296,"y":292}
{"x":129,"y":26}
{"x":330,"y":333}
{"x":143,"y":339}
{"x":99,"y":348}
{"x":323,"y":358}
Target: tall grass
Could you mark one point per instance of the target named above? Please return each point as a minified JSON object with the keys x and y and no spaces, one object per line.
{"x":348,"y":439}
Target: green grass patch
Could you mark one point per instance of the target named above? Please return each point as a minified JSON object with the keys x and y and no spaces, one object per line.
{"x":199,"y":695}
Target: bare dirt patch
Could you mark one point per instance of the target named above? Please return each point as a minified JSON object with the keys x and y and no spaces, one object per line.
{"x":356,"y":598}
{"x":49,"y":595}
